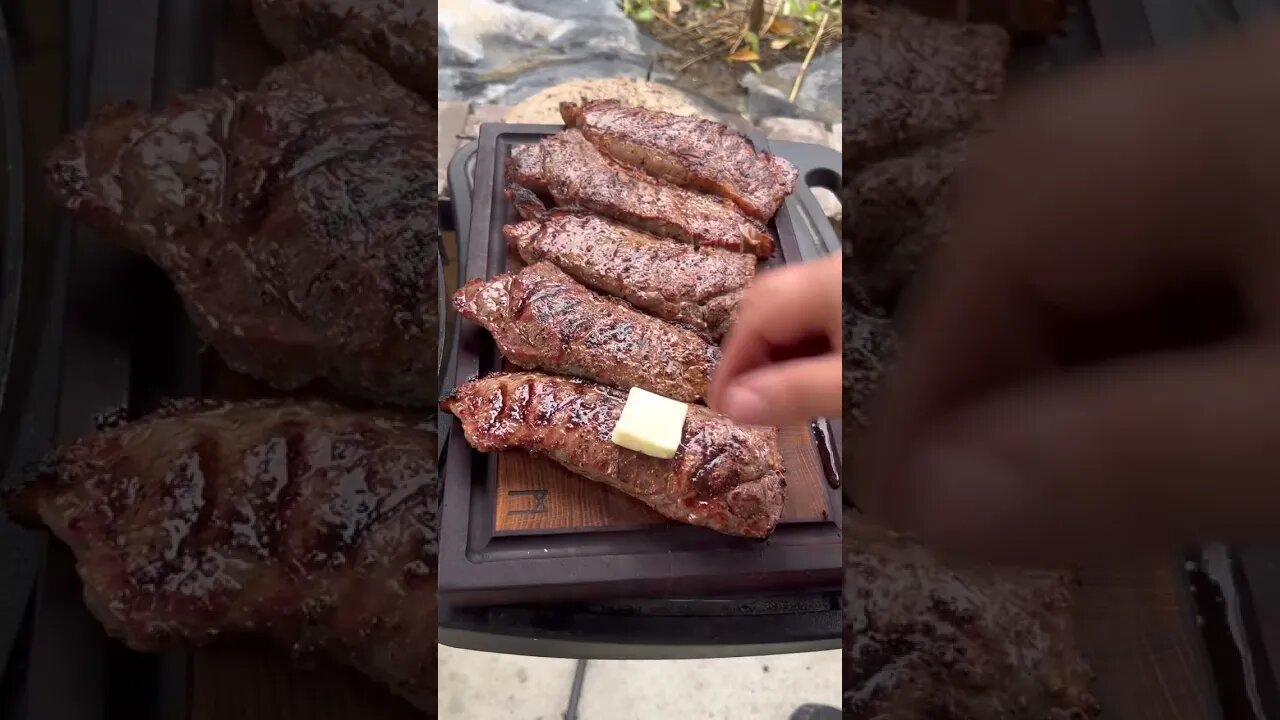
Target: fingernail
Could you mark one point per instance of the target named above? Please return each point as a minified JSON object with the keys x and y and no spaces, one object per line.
{"x":965,"y":500}
{"x":745,"y":405}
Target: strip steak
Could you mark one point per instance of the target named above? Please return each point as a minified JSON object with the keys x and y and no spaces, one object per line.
{"x":726,"y":477}
{"x":297,"y":222}
{"x":543,"y":319}
{"x":691,"y":152}
{"x":311,"y":525}
{"x":698,"y":288}
{"x":575,"y":174}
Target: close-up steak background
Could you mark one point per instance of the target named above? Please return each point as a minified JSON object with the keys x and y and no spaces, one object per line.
{"x":1169,"y":638}
{"x":1213,"y":611}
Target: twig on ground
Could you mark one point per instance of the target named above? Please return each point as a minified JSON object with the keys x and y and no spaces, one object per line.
{"x":808,"y":57}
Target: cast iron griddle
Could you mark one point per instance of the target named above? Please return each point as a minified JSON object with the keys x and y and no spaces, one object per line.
{"x":478,"y":566}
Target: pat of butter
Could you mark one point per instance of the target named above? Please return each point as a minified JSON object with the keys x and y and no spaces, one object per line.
{"x":651,"y":424}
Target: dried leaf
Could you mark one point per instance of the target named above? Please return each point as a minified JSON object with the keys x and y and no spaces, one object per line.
{"x":784,"y":27}
{"x":674,"y":7}
{"x":744,"y":55}
{"x":780,"y":43}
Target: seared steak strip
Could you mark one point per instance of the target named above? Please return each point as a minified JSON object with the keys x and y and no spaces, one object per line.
{"x":928,"y":639}
{"x":304,"y":523}
{"x":572,"y":172}
{"x":691,"y":152}
{"x":298,"y":222}
{"x":910,"y":80}
{"x":697,"y":288}
{"x":726,"y":477}
{"x":543,"y":319}
{"x":399,"y":35}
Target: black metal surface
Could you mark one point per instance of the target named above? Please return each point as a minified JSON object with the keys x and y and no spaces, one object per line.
{"x":649,"y":629}
{"x":12,"y":195}
{"x":461,"y":175}
{"x":114,"y":336}
{"x":18,"y":551}
{"x":655,"y":628}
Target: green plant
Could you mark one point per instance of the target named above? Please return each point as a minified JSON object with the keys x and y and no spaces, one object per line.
{"x":638,"y":10}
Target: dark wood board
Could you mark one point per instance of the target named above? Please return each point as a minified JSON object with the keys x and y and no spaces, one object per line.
{"x":536,"y":495}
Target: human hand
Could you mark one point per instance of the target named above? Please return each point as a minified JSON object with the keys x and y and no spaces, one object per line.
{"x":781,"y":360}
{"x":1093,"y":362}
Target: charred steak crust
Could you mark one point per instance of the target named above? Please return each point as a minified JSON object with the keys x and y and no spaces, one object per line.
{"x":698,"y":288}
{"x":543,"y":319}
{"x":909,"y":79}
{"x":399,"y":35}
{"x":305,"y":523}
{"x":694,"y":153}
{"x":726,"y":477}
{"x":574,"y":173}
{"x":924,"y":639}
{"x":298,"y":222}
{"x":899,"y":212}
{"x":869,"y":349}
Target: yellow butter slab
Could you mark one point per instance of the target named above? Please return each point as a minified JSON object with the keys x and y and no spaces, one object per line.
{"x":651,"y":424}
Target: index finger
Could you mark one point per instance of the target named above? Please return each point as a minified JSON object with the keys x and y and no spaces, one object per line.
{"x":782,"y":307}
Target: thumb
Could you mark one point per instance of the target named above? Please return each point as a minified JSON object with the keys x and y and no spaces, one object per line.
{"x":1160,"y":451}
{"x":786,"y":392}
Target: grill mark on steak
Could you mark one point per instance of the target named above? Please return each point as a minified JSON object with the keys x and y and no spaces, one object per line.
{"x":927,"y":639}
{"x":297,"y":222}
{"x":910,"y":80}
{"x":694,"y":153}
{"x":541,"y":318}
{"x":572,"y":172}
{"x":726,"y":477}
{"x":304,"y":523}
{"x":698,"y":288}
{"x":399,"y":35}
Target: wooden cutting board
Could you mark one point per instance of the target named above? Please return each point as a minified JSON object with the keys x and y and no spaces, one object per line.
{"x":535,"y":495}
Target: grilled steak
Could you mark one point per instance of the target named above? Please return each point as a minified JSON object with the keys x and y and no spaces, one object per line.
{"x":308,"y":524}
{"x":697,"y":288}
{"x":726,"y":477}
{"x":869,"y":347}
{"x":909,"y":79}
{"x":691,"y":152}
{"x":399,"y":35}
{"x":298,"y":222}
{"x":923,"y":639}
{"x":898,"y":213}
{"x":573,"y":173}
{"x":543,"y":319}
